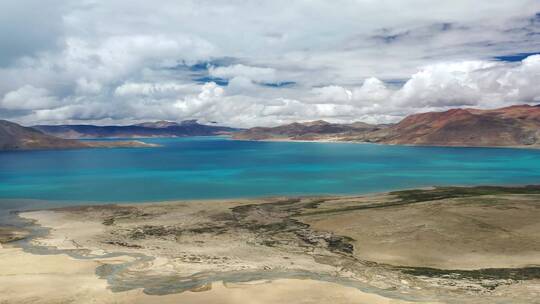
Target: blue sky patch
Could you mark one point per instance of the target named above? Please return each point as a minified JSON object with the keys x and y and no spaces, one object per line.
{"x":390,"y":38}
{"x":515,"y":57}
{"x":279,"y":84}
{"x":217,"y":80}
{"x":202,"y":66}
{"x":396,"y":83}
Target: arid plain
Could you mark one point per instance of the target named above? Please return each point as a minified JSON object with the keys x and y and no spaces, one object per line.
{"x":441,"y":245}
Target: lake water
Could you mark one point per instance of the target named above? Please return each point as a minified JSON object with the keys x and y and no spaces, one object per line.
{"x":216,"y":167}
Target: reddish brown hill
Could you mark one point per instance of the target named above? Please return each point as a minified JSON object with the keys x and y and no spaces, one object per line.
{"x":314,"y":130}
{"x":17,"y":137}
{"x":511,"y":126}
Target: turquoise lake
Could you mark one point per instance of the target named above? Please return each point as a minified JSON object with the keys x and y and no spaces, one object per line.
{"x":216,"y":167}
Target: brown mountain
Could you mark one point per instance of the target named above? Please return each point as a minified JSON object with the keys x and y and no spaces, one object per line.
{"x":314,"y":130}
{"x":160,"y":124}
{"x":17,"y":137}
{"x":147,"y":129}
{"x":510,"y":126}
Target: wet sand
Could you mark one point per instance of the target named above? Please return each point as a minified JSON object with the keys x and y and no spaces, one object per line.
{"x":29,"y":278}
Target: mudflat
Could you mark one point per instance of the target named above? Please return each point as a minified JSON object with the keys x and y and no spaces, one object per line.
{"x":441,"y":245}
{"x":29,"y":278}
{"x":11,"y":234}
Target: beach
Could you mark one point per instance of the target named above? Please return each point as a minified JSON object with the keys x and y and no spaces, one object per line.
{"x":28,"y":278}
{"x":441,"y":245}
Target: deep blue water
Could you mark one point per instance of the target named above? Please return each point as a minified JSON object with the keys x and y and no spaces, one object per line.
{"x":215,"y":167}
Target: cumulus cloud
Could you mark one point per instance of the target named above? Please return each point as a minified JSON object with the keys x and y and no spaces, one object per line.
{"x":128,"y":61}
{"x":28,"y":98}
{"x":24,"y":29}
{"x":445,"y":84}
{"x":473,"y":83}
{"x":372,"y":90}
{"x":85,"y":86}
{"x":331,"y":94}
{"x":519,"y":83}
{"x":242,"y":103}
{"x":155,"y":90}
{"x":257,"y":74}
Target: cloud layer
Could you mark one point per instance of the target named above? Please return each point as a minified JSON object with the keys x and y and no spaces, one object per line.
{"x":245,"y":63}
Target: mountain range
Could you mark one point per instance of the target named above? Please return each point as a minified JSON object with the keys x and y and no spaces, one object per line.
{"x":147,"y":129}
{"x":313,"y":130}
{"x":517,"y":126}
{"x":510,"y":126}
{"x":17,"y":137}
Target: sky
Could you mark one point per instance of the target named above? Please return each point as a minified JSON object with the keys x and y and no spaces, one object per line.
{"x":263,"y":63}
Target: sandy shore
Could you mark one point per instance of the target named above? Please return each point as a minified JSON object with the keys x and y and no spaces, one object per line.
{"x":450,"y":245}
{"x":61,"y":279}
{"x":29,"y":278}
{"x":341,"y":140}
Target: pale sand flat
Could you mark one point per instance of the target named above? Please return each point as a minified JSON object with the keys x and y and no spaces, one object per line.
{"x":47,"y":279}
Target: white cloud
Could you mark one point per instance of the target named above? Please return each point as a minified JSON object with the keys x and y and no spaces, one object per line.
{"x":331,"y":94}
{"x":520,"y":83}
{"x":257,"y":74}
{"x":156,"y":90}
{"x":474,"y":83}
{"x":242,"y":103}
{"x":123,"y":61}
{"x":193,"y":105}
{"x":445,"y":84}
{"x":241,"y":85}
{"x":85,"y":86}
{"x":28,"y":98}
{"x":372,"y":90}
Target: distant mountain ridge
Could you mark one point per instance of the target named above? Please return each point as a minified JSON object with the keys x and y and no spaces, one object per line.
{"x":510,"y":126}
{"x":17,"y":137}
{"x":147,"y":129}
{"x":314,"y":130}
{"x":158,"y":124}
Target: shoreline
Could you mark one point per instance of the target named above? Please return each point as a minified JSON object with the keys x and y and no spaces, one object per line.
{"x":337,"y":141}
{"x":45,"y":241}
{"x":82,"y":203}
{"x":200,"y":242}
{"x":138,"y":142}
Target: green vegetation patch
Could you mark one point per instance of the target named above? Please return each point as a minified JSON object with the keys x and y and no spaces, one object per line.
{"x":527,"y":273}
{"x":406,"y":197}
{"x":439,"y":193}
